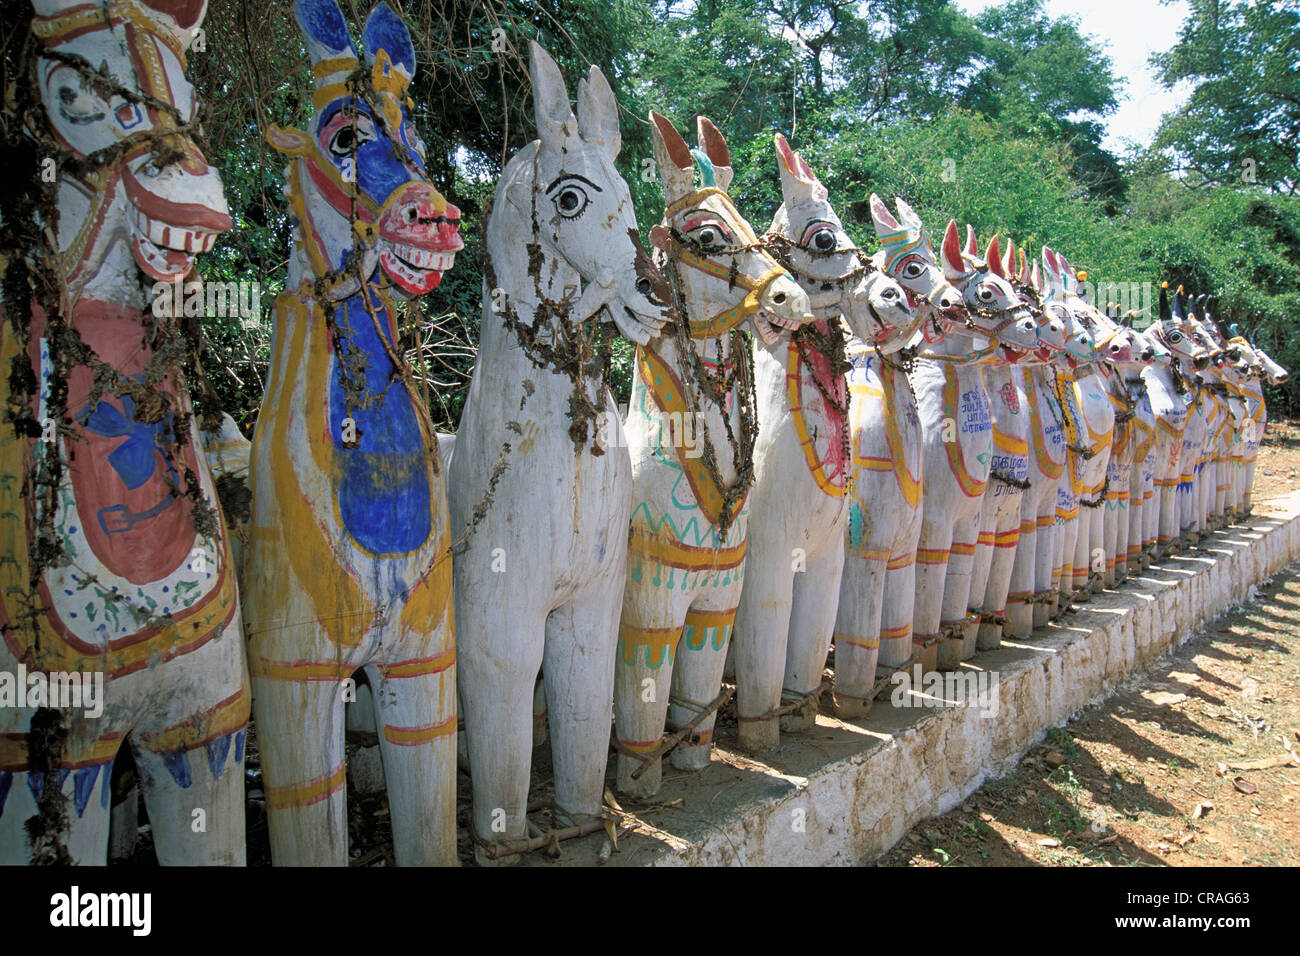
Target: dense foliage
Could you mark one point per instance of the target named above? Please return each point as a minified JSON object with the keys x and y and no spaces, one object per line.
{"x":996,"y":120}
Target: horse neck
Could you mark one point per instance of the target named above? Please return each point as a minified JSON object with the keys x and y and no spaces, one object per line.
{"x":953,"y":344}
{"x":107,"y":257}
{"x":516,"y":297}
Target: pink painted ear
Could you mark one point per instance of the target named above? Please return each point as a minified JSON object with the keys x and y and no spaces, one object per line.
{"x":787,"y":155}
{"x":710,"y":137}
{"x":950,"y":252}
{"x":808,"y":174}
{"x":972,"y":247}
{"x":880,"y":213}
{"x":1025,"y":275}
{"x":994,"y":258}
{"x":1009,"y":257}
{"x":674,"y":146}
{"x":1036,"y":278}
{"x":288,"y":140}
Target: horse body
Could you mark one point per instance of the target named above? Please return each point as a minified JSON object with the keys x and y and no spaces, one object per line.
{"x":348,"y":564}
{"x":801,"y":500}
{"x":957,"y":428}
{"x":690,"y":517}
{"x":134,"y":581}
{"x":873,"y":626}
{"x":541,"y":479}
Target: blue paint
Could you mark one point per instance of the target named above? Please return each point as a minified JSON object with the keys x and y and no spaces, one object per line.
{"x":36,"y":783}
{"x":322,"y":21}
{"x":136,"y":459}
{"x":707,"y":176}
{"x":239,"y":746}
{"x":6,"y":781}
{"x":83,"y":784}
{"x":383,"y":483}
{"x":384,"y":30}
{"x":217,"y":751}
{"x":106,"y":787}
{"x":856,"y":523}
{"x":178,"y":765}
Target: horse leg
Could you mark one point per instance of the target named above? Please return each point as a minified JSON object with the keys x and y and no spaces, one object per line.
{"x":931,"y":570}
{"x":1020,"y":587}
{"x":762,"y":630}
{"x":697,"y":677}
{"x":955,"y":605}
{"x":812,"y":619}
{"x":649,"y":633}
{"x":497,"y":663}
{"x":857,"y":631}
{"x":70,"y":826}
{"x":415,"y":718}
{"x":300,"y":737}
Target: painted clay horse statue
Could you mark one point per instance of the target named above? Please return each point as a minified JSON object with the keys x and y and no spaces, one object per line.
{"x":1029,"y":586}
{"x":689,"y":521}
{"x":540,"y":583}
{"x":347,"y":562}
{"x":802,"y":496}
{"x":122,"y":570}
{"x":873,"y":624}
{"x":952,"y":397}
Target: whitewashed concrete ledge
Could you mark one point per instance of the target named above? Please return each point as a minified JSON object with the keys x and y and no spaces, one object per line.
{"x":845,"y":793}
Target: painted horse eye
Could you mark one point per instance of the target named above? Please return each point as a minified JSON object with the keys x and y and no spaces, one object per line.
{"x":913,"y":270}
{"x":1175,"y":336}
{"x":350,"y":136}
{"x":986,"y":295}
{"x":824,"y":240}
{"x":570,"y":202}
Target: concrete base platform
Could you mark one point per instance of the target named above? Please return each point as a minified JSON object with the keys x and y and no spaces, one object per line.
{"x":846,"y":792}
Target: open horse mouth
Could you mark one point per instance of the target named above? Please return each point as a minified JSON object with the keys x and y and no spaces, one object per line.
{"x":418,"y":237}
{"x":167,"y":235}
{"x":417,"y":269}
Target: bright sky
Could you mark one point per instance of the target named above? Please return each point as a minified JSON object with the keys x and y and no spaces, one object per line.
{"x":1130,"y":31}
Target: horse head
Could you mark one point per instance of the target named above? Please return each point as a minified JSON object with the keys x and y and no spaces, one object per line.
{"x":115,"y":91}
{"x":580,"y":208}
{"x":1051,"y":327}
{"x":906,"y":254}
{"x":358,"y":188}
{"x":839,"y":279}
{"x":723,"y":259}
{"x":1174,"y":333}
{"x":994,"y":308}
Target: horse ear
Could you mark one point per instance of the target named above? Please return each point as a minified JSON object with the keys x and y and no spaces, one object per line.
{"x":795,"y":185}
{"x":715,"y":147}
{"x":556,"y":123}
{"x":885,"y":223}
{"x":907,"y":216}
{"x":1009,"y":258}
{"x":598,"y":112}
{"x":324,"y":29}
{"x":972,"y":247}
{"x":673,"y":157}
{"x":1165,"y":314}
{"x":994,"y":258}
{"x":1025,"y":274}
{"x":184,"y":16}
{"x":1036,"y":279}
{"x":385,"y":31}
{"x":950,"y":253}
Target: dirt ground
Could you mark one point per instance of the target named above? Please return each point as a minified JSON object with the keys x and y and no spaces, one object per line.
{"x":1190,"y":764}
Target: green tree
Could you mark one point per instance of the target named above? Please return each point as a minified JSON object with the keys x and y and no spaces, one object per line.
{"x":1242,"y":120}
